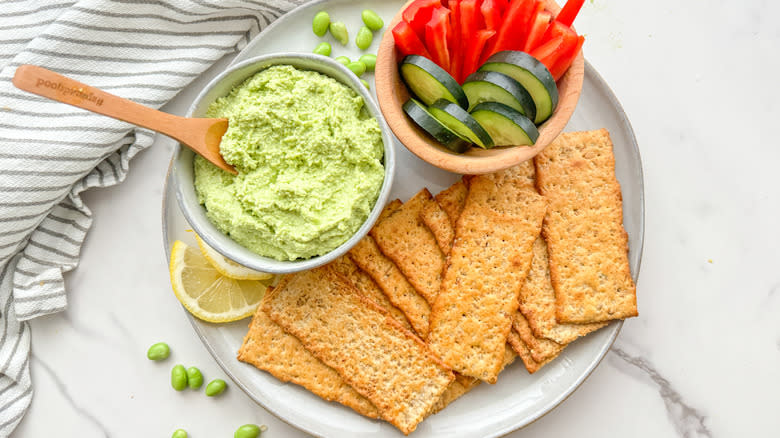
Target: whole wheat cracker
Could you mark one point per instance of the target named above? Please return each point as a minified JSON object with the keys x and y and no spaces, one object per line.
{"x":587,"y":244}
{"x":437,"y":220}
{"x":371,"y":351}
{"x":452,"y":200}
{"x":524,"y":353}
{"x":537,"y":302}
{"x":399,"y":291}
{"x":472,"y":315}
{"x":368,"y":287}
{"x":269,"y":348}
{"x":391,"y":206}
{"x":541,"y":348}
{"x":404,"y":239}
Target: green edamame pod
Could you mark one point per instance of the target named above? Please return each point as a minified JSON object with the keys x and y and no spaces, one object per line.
{"x":323,"y":49}
{"x":158,"y":351}
{"x":343,"y":59}
{"x":320,"y":23}
{"x":179,"y":433}
{"x":365,"y":83}
{"x":215,"y":387}
{"x":364,"y":38}
{"x":339,"y":31}
{"x":371,"y":19}
{"x":194,"y":378}
{"x":357,"y":67}
{"x":369,"y":60}
{"x":178,"y":377}
{"x":247,"y":431}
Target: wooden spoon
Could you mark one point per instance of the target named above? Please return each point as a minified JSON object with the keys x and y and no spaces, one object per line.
{"x":201,"y":135}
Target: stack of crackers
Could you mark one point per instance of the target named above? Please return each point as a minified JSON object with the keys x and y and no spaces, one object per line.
{"x":446,"y":291}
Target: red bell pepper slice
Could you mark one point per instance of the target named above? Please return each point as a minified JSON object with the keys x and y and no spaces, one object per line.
{"x":491,"y":13}
{"x":548,"y":52}
{"x":470,"y":23}
{"x":418,"y":14}
{"x":569,"y":11}
{"x":512,"y":33}
{"x":538,"y":27}
{"x":474,"y":51}
{"x":457,"y":44}
{"x":564,"y":62}
{"x":407,"y":41}
{"x":437,"y":37}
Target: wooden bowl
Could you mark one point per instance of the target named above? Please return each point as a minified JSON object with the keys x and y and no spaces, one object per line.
{"x":392,"y":94}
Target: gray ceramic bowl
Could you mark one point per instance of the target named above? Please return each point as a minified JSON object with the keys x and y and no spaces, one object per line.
{"x":183,"y":161}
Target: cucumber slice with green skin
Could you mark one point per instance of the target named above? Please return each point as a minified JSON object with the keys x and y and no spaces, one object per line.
{"x":429,"y":82}
{"x":444,"y":135}
{"x":460,"y":121}
{"x":532,"y":75}
{"x":506,"y":126}
{"x":490,"y":86}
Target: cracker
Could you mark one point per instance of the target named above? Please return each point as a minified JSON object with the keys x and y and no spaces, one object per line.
{"x":490,"y":258}
{"x":524,"y":353}
{"x":584,"y":232}
{"x":391,"y":206}
{"x":269,"y":348}
{"x":368,"y":287}
{"x":405,"y":240}
{"x":537,"y":302}
{"x":372,"y":352}
{"x":437,"y":220}
{"x":385,"y":273}
{"x":541,"y":349}
{"x":452,"y":200}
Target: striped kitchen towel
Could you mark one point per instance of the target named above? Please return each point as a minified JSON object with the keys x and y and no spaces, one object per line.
{"x":143,"y":50}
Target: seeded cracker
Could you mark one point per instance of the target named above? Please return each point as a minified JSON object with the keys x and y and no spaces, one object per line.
{"x":541,"y":349}
{"x":363,"y":282}
{"x":393,"y":283}
{"x":437,"y":220}
{"x":525,"y":354}
{"x":269,"y":348}
{"x":375,"y":355}
{"x":587,"y":244}
{"x":537,"y":302}
{"x":405,"y":240}
{"x":452,"y":200}
{"x":472,"y":316}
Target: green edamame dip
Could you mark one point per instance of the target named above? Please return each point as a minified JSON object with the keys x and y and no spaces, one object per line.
{"x":309,"y":162}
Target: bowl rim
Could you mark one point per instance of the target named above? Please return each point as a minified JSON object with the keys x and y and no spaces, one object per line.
{"x":476,"y":161}
{"x":194,"y":213}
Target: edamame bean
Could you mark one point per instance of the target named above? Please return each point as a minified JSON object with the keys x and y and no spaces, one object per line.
{"x":179,"y":433}
{"x":369,"y":60}
{"x":364,"y":38}
{"x":320,"y":23}
{"x":194,"y":378}
{"x":158,"y":351}
{"x":247,"y":431}
{"x":372,"y":20}
{"x":179,"y":377}
{"x":215,"y":387}
{"x":339,"y":31}
{"x":365,"y":83}
{"x":343,"y":59}
{"x":357,"y":67}
{"x":323,"y":49}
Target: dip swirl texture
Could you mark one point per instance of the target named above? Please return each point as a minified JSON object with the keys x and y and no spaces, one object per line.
{"x":309,"y":162}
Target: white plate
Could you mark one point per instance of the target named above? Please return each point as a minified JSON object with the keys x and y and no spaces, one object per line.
{"x":489,"y":410}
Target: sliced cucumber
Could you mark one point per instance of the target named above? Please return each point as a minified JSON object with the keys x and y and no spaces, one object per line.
{"x":460,"y":121}
{"x":429,"y":82}
{"x":490,"y":86}
{"x":444,"y":135}
{"x":532,"y":75}
{"x":506,"y":126}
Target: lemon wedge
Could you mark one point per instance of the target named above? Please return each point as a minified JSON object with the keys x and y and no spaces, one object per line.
{"x":228,"y":267}
{"x":206,"y":293}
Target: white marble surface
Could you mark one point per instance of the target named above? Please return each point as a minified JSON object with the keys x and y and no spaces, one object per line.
{"x":697,"y":80}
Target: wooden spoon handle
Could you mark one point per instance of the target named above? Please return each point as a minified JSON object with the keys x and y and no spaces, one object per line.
{"x":46,"y":83}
